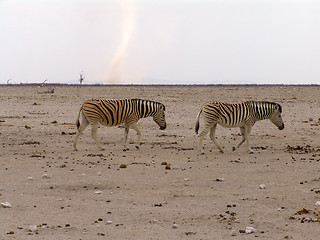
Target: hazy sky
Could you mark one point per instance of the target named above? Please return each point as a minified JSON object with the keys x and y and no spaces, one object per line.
{"x":160,"y":41}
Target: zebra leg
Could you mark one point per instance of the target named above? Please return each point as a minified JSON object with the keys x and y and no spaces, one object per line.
{"x":242,"y":130}
{"x":135,"y":127}
{"x":212,"y":137}
{"x":247,"y":136}
{"x":201,"y":136}
{"x":94,"y":129}
{"x":126,"y":131}
{"x":82,"y":127}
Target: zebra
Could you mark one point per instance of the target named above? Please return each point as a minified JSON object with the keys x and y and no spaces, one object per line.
{"x":115,"y":112}
{"x":243,"y":115}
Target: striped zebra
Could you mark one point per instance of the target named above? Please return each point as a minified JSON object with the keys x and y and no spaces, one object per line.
{"x":243,"y":115}
{"x":115,"y":112}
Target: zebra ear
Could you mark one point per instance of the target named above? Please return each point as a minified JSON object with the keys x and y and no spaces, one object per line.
{"x":278,"y":107}
{"x":162,"y":107}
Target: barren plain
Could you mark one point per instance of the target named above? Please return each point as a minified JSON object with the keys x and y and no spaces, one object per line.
{"x":166,"y":189}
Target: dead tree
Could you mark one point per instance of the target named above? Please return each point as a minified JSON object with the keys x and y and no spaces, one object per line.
{"x":42,"y":84}
{"x":82,"y":77}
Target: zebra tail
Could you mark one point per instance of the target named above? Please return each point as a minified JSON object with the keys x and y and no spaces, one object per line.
{"x":197,"y":122}
{"x":77,"y":121}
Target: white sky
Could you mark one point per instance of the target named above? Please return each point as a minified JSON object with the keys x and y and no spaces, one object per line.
{"x":160,"y":41}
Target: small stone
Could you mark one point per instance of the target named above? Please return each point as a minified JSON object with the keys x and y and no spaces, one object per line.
{"x":175,"y":226}
{"x":123,"y":166}
{"x":220,"y":179}
{"x":262,"y":186}
{"x":46,"y":176}
{"x":109,"y":222}
{"x":6,"y":205}
{"x":249,"y":230}
{"x":317,"y":203}
{"x":30,"y":178}
{"x":32,"y":228}
{"x":97,"y":192}
{"x":168,"y":167}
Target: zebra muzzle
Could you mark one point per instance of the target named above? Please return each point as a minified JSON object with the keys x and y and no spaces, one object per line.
{"x":163,"y":127}
{"x":281,"y":127}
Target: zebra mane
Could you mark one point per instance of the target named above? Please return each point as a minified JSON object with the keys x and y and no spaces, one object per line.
{"x":150,"y":101}
{"x":278,"y":106}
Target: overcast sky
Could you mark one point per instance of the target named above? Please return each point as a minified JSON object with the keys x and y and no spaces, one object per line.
{"x":160,"y":41}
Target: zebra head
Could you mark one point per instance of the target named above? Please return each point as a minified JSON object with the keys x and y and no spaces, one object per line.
{"x":159,"y":116}
{"x":276,"y":118}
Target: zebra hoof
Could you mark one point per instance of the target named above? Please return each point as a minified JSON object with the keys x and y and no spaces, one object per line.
{"x":233,"y":149}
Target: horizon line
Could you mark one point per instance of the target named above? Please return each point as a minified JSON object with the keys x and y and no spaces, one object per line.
{"x":136,"y":84}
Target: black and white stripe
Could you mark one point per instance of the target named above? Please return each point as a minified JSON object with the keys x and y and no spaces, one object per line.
{"x":243,"y":115}
{"x":115,"y":112}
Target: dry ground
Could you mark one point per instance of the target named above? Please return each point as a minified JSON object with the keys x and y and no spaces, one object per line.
{"x":87,"y":195}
